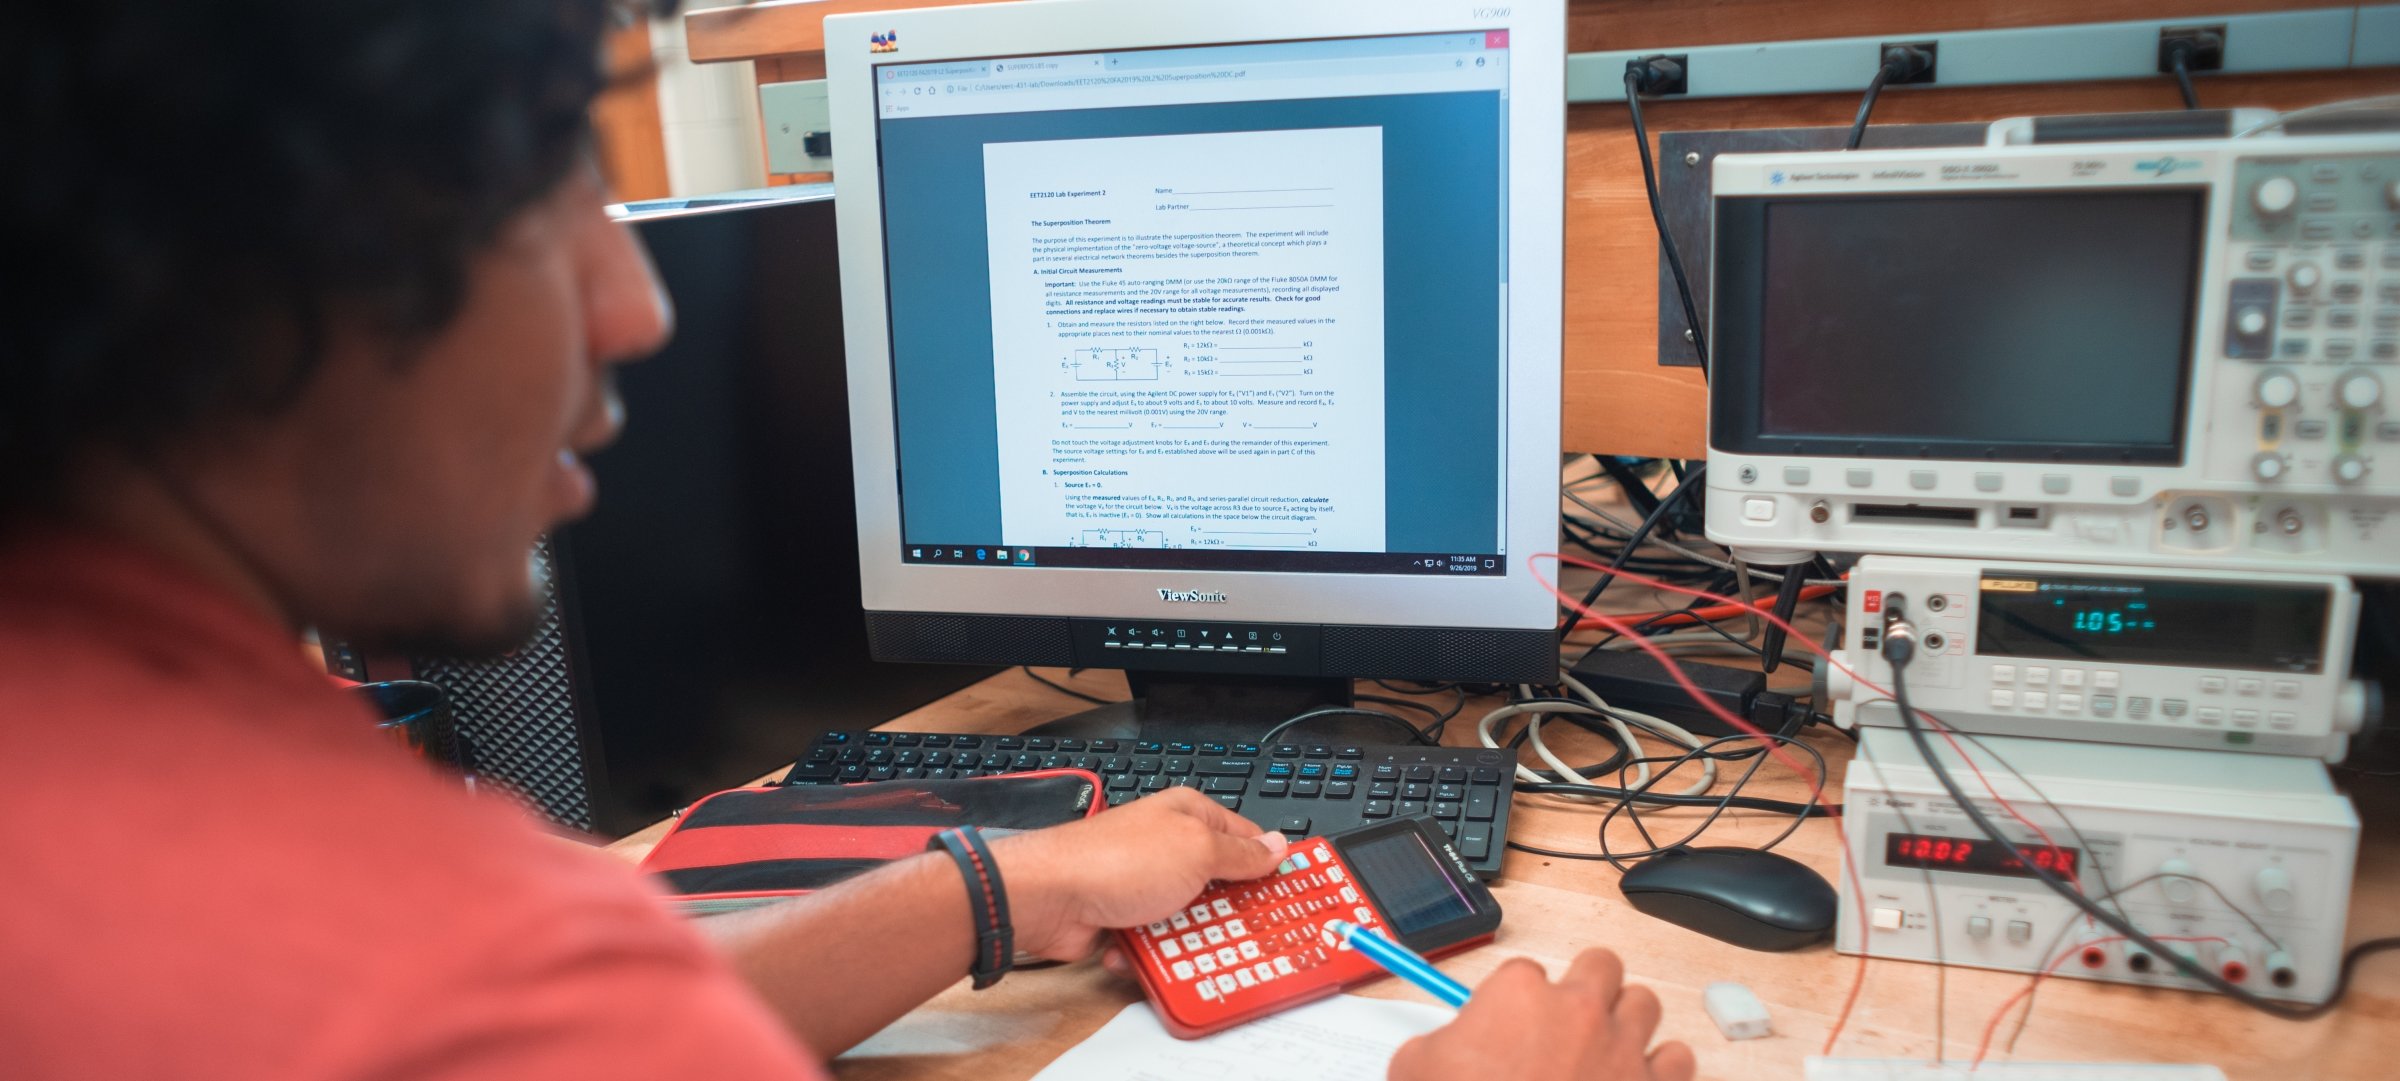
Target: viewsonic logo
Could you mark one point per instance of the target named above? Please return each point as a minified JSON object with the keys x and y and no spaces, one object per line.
{"x":1190,"y":596}
{"x":886,"y":42}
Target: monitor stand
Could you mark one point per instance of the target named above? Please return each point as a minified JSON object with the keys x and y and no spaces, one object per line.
{"x":1223,"y":708}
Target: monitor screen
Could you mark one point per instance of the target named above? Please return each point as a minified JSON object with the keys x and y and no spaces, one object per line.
{"x":2042,"y":326}
{"x":1237,"y":307}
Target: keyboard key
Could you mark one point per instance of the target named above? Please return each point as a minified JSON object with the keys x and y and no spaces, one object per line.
{"x":1123,"y":782}
{"x":1274,"y":788}
{"x":1120,"y":799}
{"x":1454,"y":774}
{"x":1312,"y":770}
{"x":1178,"y":765}
{"x":844,"y":737}
{"x":966,"y":741}
{"x":1224,"y":767}
{"x":1213,"y":935}
{"x":854,"y":772}
{"x":1481,"y":805}
{"x":1446,"y":810}
{"x":1317,"y":750}
{"x":1205,"y":962}
{"x":812,"y":773}
{"x":1105,"y":746}
{"x":1376,"y":808}
{"x":1221,"y":907}
{"x":1183,"y":970}
{"x":1116,"y":764}
{"x":1179,"y":747}
{"x":1286,"y":750}
{"x":1344,"y":771}
{"x":1475,"y":842}
{"x":881,"y":773}
{"x":1169,"y":948}
{"x":852,"y":755}
{"x":907,"y":739}
{"x":1245,"y":750}
{"x":937,"y":740}
{"x":1420,"y":773}
{"x":1450,"y":793}
{"x":1383,"y":791}
{"x":1235,"y":785}
{"x":1416,"y":791}
{"x":1409,"y":807}
{"x":1232,"y":803}
{"x":1009,"y":743}
{"x":1351,"y":752}
{"x":1306,"y":789}
{"x":1237,"y":928}
{"x":1085,"y":761}
{"x":1207,"y":990}
{"x":1296,"y":825}
{"x":1145,"y":764}
{"x":1148,"y":747}
{"x":1340,"y":789}
{"x":1245,"y":977}
{"x":1386,"y":772}
{"x":1212,"y":748}
{"x":1154,"y":784}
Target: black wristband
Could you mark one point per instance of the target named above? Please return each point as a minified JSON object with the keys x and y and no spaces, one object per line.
{"x":987,"y":902}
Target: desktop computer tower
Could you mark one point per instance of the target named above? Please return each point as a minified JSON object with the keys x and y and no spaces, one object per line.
{"x":703,"y":624}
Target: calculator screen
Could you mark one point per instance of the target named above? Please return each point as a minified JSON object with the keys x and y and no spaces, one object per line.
{"x":1410,"y":885}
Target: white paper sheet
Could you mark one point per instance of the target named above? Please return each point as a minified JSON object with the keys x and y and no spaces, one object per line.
{"x":1343,"y":1038}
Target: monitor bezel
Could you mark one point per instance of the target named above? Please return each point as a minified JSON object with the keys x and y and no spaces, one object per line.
{"x":1535,"y":198}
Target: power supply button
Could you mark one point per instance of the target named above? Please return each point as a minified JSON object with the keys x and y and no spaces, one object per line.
{"x":1758,"y":510}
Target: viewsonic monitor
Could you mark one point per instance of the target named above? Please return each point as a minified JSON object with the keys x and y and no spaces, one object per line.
{"x":1216,"y":342}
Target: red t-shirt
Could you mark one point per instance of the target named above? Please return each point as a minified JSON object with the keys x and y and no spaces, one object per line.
{"x":212,"y":867}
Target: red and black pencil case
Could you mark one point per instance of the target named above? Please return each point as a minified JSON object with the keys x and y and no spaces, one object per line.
{"x":749,"y":845}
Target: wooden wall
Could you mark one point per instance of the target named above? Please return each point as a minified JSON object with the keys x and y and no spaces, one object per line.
{"x":1618,"y":400}
{"x":630,"y":134}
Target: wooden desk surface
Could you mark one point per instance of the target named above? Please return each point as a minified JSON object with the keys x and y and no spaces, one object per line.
{"x":1555,"y":907}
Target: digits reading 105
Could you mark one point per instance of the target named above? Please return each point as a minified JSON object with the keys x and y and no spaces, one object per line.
{"x":1980,"y":857}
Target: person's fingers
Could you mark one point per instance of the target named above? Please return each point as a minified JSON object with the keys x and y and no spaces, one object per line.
{"x":1215,"y":814}
{"x":1637,"y":1014}
{"x":1516,"y":978}
{"x":1250,"y":855}
{"x":1672,"y":1062}
{"x":1599,"y":973}
{"x":1114,"y":960}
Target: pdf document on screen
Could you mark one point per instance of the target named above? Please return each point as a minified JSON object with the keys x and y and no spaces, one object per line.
{"x":1188,"y":339}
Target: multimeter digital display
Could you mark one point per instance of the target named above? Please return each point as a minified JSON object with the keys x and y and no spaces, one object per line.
{"x":1243,"y":950}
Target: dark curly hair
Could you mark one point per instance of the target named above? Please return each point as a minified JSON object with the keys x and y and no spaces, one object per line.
{"x":194,"y":192}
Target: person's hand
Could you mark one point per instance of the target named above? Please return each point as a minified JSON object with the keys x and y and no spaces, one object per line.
{"x":1125,"y":867}
{"x":1520,"y":1025}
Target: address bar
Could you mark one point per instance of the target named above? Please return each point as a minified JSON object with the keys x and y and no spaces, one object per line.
{"x":1083,"y":82}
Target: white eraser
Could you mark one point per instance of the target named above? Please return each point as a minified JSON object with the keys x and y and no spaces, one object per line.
{"x":1738,"y":1012}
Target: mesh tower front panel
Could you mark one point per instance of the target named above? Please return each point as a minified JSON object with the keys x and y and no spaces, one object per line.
{"x":519,"y":724}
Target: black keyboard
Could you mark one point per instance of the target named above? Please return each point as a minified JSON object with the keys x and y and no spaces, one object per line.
{"x":1301,"y":789}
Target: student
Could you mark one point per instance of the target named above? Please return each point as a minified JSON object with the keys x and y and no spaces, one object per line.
{"x":316,"y":315}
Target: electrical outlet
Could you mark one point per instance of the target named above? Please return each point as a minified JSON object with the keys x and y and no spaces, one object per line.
{"x":2203,"y":47}
{"x":1932,"y":51}
{"x":1670,"y":85}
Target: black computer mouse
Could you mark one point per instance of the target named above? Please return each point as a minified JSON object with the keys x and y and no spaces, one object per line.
{"x":1754,"y":899}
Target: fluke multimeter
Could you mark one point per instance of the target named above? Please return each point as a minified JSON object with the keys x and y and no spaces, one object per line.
{"x":1243,"y":950}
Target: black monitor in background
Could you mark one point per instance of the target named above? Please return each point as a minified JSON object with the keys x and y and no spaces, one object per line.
{"x":715,"y":589}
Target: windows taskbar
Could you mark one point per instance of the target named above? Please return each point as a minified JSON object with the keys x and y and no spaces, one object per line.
{"x":1448,"y":564}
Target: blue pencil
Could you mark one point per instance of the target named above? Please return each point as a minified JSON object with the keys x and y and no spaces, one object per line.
{"x":1402,"y":961}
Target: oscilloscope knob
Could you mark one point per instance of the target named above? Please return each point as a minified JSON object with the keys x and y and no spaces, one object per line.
{"x":2349,"y":468}
{"x":2178,"y":885}
{"x":2275,"y":196}
{"x":2274,"y":886}
{"x":2304,"y":276}
{"x":2277,"y":389}
{"x":2251,"y":321}
{"x":2358,"y":390}
{"x":2267,"y":466}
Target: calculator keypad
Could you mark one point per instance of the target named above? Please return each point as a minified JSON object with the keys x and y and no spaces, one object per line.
{"x":1251,"y":947}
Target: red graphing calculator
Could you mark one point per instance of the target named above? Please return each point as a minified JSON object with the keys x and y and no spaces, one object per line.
{"x":1247,"y":949}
